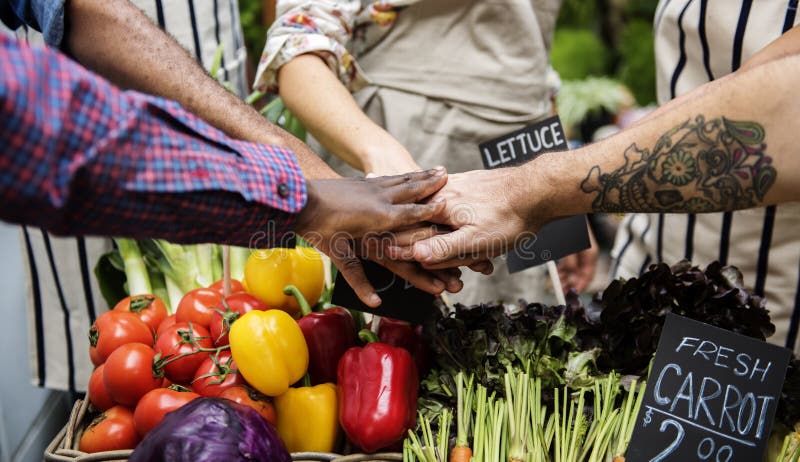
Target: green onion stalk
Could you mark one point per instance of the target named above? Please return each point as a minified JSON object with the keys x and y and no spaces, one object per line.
{"x":135,"y":267}
{"x":499,"y":427}
{"x":517,"y":384}
{"x":627,"y":421}
{"x":570,"y":426}
{"x":538,"y":444}
{"x":443,"y":440}
{"x":490,"y":441}
{"x":464,"y":400}
{"x":479,"y":432}
{"x":408,"y":452}
{"x":790,"y":451}
{"x":430,"y":448}
{"x":605,"y":393}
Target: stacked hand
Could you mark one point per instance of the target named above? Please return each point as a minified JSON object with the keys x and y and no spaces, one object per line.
{"x":374,"y":205}
{"x":424,"y":225}
{"x":484,"y":217}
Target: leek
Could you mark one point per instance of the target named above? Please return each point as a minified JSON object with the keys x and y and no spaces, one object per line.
{"x":177,"y":262}
{"x":205,"y":257}
{"x":216,"y":262}
{"x":135,"y":268}
{"x":239,"y":256}
{"x":159,"y":286}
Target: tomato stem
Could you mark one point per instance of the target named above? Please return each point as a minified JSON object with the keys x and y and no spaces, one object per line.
{"x":138,"y":303}
{"x":94,"y":336}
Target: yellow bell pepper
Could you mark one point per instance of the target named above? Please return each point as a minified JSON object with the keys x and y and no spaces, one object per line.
{"x":308,"y":418}
{"x":269,"y":350}
{"x":268,"y":271}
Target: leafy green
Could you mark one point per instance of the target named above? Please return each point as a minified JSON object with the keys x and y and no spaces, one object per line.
{"x":580,"y":100}
{"x":789,"y":405}
{"x":487,"y":340}
{"x":110,"y":274}
{"x":626,"y":319}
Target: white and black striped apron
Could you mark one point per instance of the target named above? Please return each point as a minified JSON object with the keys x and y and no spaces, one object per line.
{"x":698,"y":41}
{"x":63,"y":295}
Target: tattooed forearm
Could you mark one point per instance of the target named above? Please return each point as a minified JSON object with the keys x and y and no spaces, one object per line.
{"x":698,"y":166}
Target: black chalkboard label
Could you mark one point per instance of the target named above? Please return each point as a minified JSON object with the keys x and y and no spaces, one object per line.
{"x":400,"y":299}
{"x":711,"y":396}
{"x":559,"y":238}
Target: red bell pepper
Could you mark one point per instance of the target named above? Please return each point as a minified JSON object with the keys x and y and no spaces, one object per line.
{"x":403,"y":335}
{"x":328,"y":334}
{"x":378,"y":388}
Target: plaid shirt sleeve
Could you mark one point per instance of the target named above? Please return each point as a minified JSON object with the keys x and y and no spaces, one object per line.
{"x":79,"y":156}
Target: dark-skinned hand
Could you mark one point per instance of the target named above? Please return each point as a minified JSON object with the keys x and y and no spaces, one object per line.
{"x":340,"y":211}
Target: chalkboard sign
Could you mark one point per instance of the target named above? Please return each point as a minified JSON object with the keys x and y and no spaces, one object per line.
{"x":559,"y":238}
{"x":400,"y":299}
{"x":711,"y":396}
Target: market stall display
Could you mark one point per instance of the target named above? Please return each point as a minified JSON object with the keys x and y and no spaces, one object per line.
{"x":517,"y":382}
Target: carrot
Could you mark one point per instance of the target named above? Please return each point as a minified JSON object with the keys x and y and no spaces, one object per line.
{"x":460,"y":454}
{"x":619,"y":459}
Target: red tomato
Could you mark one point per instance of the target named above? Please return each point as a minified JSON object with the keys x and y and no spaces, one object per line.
{"x":129,"y":373}
{"x":236,"y":287}
{"x":248,"y":397}
{"x":156,"y":404}
{"x":197,"y":306}
{"x":168,"y":321}
{"x":112,"y":430}
{"x":216,"y":374}
{"x":94,"y":355}
{"x":186,"y":339}
{"x":149,"y":308}
{"x":98,"y":394}
{"x":232,"y":308}
{"x":113,"y":329}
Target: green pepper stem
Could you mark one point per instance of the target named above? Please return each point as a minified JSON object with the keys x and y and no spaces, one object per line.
{"x":306,"y":380}
{"x":358,"y":318}
{"x":292,"y":289}
{"x":367,"y":336}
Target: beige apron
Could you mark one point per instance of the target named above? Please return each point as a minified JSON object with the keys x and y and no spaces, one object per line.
{"x":454,"y":73}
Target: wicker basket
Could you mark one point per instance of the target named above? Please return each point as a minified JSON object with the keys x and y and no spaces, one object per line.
{"x":64,"y":447}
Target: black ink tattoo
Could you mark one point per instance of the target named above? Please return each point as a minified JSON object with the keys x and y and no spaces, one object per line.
{"x":698,"y":166}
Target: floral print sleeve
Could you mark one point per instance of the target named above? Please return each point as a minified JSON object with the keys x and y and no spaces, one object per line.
{"x":332,"y":29}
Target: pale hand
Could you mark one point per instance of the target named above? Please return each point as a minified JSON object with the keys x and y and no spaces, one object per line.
{"x":482,"y":208}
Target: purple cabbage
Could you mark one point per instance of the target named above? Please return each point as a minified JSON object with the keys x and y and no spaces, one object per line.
{"x":212,"y":430}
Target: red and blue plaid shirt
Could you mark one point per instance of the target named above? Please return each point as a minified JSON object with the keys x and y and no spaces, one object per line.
{"x":79,"y":156}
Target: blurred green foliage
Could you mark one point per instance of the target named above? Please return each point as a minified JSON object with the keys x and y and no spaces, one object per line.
{"x":255,"y":33}
{"x":578,"y":14}
{"x":611,"y":38}
{"x":639,"y":8}
{"x":578,"y":53}
{"x":637,"y":67}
